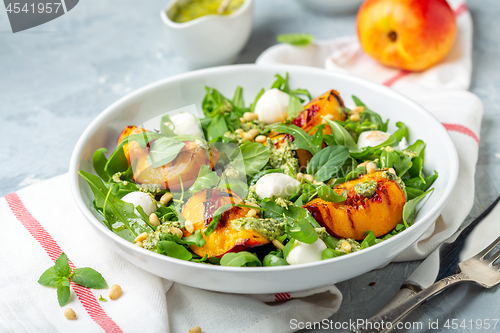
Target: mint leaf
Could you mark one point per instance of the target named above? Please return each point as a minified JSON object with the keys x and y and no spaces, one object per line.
{"x":63,"y":294}
{"x":49,"y":278}
{"x":62,"y":266}
{"x":163,"y":151}
{"x":295,"y":39}
{"x":89,"y":278}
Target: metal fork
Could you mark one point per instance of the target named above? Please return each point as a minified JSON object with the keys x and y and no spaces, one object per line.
{"x":477,"y":270}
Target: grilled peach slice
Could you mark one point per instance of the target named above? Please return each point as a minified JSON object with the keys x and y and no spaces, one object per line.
{"x":200,"y":210}
{"x":328,"y":103}
{"x":186,"y":165}
{"x":380,"y":212}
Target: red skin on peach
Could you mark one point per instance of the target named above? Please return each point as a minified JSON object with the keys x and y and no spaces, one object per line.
{"x":412,"y":35}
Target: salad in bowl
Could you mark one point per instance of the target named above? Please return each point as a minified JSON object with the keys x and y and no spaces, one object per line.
{"x":284,"y":180}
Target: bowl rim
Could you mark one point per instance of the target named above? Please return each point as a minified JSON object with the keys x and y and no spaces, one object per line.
{"x":74,"y":163}
{"x":211,"y":17}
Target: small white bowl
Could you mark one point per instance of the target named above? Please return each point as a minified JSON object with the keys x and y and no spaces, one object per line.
{"x":189,"y":88}
{"x":332,"y":6}
{"x":210,"y":40}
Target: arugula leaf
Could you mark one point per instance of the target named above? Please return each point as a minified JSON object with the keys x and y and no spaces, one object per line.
{"x":413,"y":192}
{"x":374,"y":117}
{"x":99,"y":161}
{"x":163,"y":151}
{"x":195,"y":239}
{"x":295,"y":39}
{"x":342,"y":136}
{"x":238,"y":98}
{"x":422,"y":185}
{"x":215,"y":219}
{"x":281,"y":83}
{"x":252,"y":106}
{"x":317,"y":138}
{"x":174,"y":250}
{"x":326,"y":193}
{"x":410,"y":207}
{"x":255,"y":156}
{"x":301,"y":230}
{"x":302,"y":140}
{"x":397,"y":136}
{"x":164,"y":126}
{"x":49,"y":278}
{"x":288,"y":247}
{"x":369,"y":240}
{"x":102,"y":299}
{"x":206,"y":179}
{"x":388,"y":159}
{"x":294,"y":107}
{"x":417,"y":168}
{"x":274,"y":258}
{"x":331,"y":253}
{"x":89,"y":278}
{"x":63,"y":294}
{"x":240,"y":259}
{"x":303,"y":92}
{"x":218,"y":127}
{"x":418,"y":147}
{"x":327,"y":162}
{"x":403,"y":164}
{"x":62,"y":266}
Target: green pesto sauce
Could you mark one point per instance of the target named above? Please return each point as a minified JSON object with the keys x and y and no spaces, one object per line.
{"x":198,"y":8}
{"x":269,"y":228}
{"x":235,"y":137}
{"x":254,"y":124}
{"x":149,"y":188}
{"x":154,"y":237}
{"x":366,"y":189}
{"x":355,"y":246}
{"x":393,"y":177}
{"x":283,"y":157}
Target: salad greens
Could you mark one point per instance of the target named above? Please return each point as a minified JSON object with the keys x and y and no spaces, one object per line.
{"x":318,"y":163}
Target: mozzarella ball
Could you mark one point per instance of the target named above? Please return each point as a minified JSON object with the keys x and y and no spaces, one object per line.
{"x":271,"y":106}
{"x":276,"y":185}
{"x":372,"y":138}
{"x":141,"y":199}
{"x":302,"y":253}
{"x":186,"y":123}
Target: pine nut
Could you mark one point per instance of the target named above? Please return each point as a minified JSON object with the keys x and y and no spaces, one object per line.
{"x":358,"y":109}
{"x":346,"y":246}
{"x":249,"y":116}
{"x":278,"y":244}
{"x":70,"y":314}
{"x":317,"y":183}
{"x":188,"y":225}
{"x":141,"y":237}
{"x":176,"y":231}
{"x":254,"y":132}
{"x":115,"y":292}
{"x":166,"y":198}
{"x":260,"y":139}
{"x":391,"y":170}
{"x":257,"y":207}
{"x":154,"y":220}
{"x":242,"y":120}
{"x":247,"y":136}
{"x":252,"y":213}
{"x":300,"y":175}
{"x":330,"y":116}
{"x":309,"y":178}
{"x":363,"y":164}
{"x":196,"y":329}
{"x":139,"y":244}
{"x":239,"y":131}
{"x":355,"y":117}
{"x":371,"y":168}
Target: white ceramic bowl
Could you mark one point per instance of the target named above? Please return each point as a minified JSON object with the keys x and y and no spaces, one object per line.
{"x":332,"y":6}
{"x":210,"y":40}
{"x":173,"y":93}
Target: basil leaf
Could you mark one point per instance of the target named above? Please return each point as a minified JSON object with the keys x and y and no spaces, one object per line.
{"x":274,"y":258}
{"x":206,"y":179}
{"x":163,"y":151}
{"x":326,"y":193}
{"x":165,"y":123}
{"x":294,"y":107}
{"x":331,"y":253}
{"x":89,"y":278}
{"x":342,"y":136}
{"x":49,"y":278}
{"x":235,"y":185}
{"x":272,"y":210}
{"x":302,"y":140}
{"x":301,"y":230}
{"x":255,"y":156}
{"x":410,"y":208}
{"x":62,"y":266}
{"x":218,"y":127}
{"x":295,"y":39}
{"x":369,"y":239}
{"x":99,"y":161}
{"x":327,"y":162}
{"x":240,"y":259}
{"x":174,"y":250}
{"x":63,"y":293}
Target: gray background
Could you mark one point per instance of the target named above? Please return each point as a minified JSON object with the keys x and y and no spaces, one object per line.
{"x":56,"y":78}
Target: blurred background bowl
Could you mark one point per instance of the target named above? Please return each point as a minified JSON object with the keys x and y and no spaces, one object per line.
{"x":332,"y":7}
{"x":210,"y":40}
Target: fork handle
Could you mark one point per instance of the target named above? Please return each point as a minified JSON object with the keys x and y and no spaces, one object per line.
{"x":386,"y":321}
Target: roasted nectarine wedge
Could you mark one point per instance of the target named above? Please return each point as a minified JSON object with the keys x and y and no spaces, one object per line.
{"x":328,"y":103}
{"x":200,"y":210}
{"x":374,"y":202}
{"x":187,"y":164}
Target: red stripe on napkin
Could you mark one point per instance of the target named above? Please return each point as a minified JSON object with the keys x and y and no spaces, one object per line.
{"x":461,"y":129}
{"x":50,"y":246}
{"x":281,"y":297}
{"x":461,"y":9}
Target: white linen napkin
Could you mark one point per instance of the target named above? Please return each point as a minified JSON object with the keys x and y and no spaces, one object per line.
{"x":440,"y":89}
{"x":41,"y":221}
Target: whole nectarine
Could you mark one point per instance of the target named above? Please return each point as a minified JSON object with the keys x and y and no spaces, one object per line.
{"x":412,"y":35}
